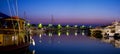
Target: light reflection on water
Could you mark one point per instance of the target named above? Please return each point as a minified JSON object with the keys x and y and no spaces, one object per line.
{"x":73,"y":42}
{"x":111,"y":40}
{"x":70,"y":42}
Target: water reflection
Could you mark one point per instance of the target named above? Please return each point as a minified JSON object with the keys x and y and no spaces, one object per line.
{"x":33,"y":42}
{"x":67,"y":33}
{"x":40,"y":41}
{"x":33,"y":52}
{"x":83,"y":32}
{"x":58,"y":42}
{"x":112,"y":40}
{"x":117,"y":43}
{"x":40,"y":35}
{"x":59,"y":33}
{"x":76,"y":32}
{"x":50,"y":34}
{"x":72,"y":41}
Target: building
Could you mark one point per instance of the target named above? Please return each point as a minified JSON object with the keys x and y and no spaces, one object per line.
{"x":110,"y":30}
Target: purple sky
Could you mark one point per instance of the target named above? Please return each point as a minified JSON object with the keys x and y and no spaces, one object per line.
{"x":66,"y":11}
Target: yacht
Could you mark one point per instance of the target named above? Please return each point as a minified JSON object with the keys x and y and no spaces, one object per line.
{"x":13,"y":34}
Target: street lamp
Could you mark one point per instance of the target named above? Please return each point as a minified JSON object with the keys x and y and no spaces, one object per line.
{"x":40,"y":25}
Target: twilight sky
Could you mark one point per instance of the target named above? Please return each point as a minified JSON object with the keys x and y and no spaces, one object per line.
{"x":66,"y":11}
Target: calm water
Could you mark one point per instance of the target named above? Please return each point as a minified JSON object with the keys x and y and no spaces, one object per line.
{"x":72,"y":42}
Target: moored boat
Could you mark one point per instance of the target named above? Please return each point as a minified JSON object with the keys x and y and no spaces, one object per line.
{"x":13,"y":34}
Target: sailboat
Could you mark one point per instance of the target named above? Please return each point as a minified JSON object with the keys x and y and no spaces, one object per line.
{"x":13,"y":33}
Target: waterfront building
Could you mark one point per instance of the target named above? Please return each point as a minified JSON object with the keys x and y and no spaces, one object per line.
{"x":110,"y":30}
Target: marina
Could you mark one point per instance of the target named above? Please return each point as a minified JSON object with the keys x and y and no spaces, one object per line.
{"x":59,"y":27}
{"x":72,"y":43}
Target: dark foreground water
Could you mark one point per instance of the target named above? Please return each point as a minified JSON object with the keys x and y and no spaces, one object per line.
{"x":72,"y":43}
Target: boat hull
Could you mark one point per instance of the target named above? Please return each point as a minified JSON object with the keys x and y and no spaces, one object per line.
{"x":14,"y":49}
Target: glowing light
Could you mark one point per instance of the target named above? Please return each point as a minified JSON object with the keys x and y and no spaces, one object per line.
{"x":40,"y":35}
{"x":14,"y":38}
{"x":28,"y":24}
{"x":83,"y":33}
{"x":83,"y":26}
{"x":33,"y":52}
{"x":33,"y":42}
{"x":76,"y":26}
{"x":30,"y":40}
{"x":50,"y":34}
{"x":40,"y":25}
{"x":67,"y":33}
{"x":75,"y":33}
{"x":49,"y":25}
{"x":59,"y":33}
{"x":67,"y":26}
{"x":59,"y":26}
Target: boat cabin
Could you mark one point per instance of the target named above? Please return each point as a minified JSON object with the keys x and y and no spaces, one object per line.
{"x":13,"y":31}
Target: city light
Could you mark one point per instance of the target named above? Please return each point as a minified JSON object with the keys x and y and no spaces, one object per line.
{"x":28,"y":24}
{"x":90,"y":26}
{"x":75,"y":33}
{"x":75,"y":26}
{"x":50,"y":25}
{"x":40,"y":25}
{"x":59,"y":33}
{"x":67,"y":26}
{"x":59,"y":26}
{"x":83,"y":32}
{"x":67,"y":33}
{"x":50,"y":34}
{"x":83,"y":26}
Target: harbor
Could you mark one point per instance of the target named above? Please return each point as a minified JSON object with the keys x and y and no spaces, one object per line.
{"x":59,"y":27}
{"x":72,"y":42}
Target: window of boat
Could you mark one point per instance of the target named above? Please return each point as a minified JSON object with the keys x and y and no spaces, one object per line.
{"x":10,"y":24}
{"x":15,"y":24}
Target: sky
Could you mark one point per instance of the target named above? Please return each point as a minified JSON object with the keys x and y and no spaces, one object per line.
{"x":65,"y":11}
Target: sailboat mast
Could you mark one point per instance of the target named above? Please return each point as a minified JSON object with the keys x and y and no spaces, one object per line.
{"x":17,"y":19}
{"x":9,"y":7}
{"x":52,"y":20}
{"x":16,"y":7}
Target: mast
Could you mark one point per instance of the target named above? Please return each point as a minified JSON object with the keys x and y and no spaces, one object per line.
{"x":24,"y":18}
{"x":52,"y":19}
{"x":17,"y":19}
{"x":10,"y":12}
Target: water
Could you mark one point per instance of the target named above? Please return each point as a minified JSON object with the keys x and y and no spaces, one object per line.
{"x":72,"y":43}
